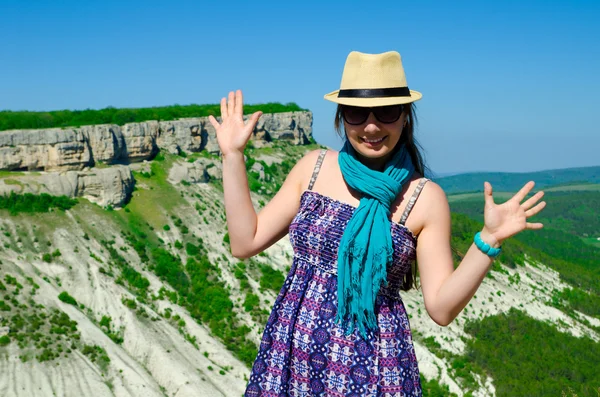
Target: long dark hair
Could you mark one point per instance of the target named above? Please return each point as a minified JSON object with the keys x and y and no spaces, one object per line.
{"x":414,"y":149}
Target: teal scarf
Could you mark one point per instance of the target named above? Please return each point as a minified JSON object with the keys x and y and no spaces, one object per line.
{"x":366,"y":245}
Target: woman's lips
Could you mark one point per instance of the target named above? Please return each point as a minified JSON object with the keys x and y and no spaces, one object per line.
{"x":373,"y":142}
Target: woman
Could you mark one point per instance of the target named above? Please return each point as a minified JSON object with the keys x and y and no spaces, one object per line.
{"x":338,"y":326}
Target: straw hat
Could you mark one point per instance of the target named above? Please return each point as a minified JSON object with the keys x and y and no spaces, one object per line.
{"x":373,"y":80}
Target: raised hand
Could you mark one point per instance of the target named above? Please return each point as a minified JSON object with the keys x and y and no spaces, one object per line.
{"x":232,"y":133}
{"x":507,"y":219}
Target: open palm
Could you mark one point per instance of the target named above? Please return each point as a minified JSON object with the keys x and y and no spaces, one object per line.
{"x":509,"y":218}
{"x":233,"y":133}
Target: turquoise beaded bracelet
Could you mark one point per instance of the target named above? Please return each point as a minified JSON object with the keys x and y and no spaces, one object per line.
{"x":486,"y":248}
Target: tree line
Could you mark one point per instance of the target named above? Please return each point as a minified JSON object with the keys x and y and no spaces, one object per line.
{"x":12,"y":120}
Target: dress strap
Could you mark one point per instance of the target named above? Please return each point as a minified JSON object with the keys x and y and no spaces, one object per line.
{"x":412,"y":200}
{"x":313,"y":178}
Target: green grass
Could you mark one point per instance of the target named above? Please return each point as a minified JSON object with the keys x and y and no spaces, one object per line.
{"x":152,"y":202}
{"x":499,"y":197}
{"x":593,"y":241}
{"x":11,"y":174}
{"x":10,"y":181}
{"x":570,"y":188}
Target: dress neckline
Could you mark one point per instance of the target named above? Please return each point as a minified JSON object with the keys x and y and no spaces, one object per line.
{"x":353,"y":208}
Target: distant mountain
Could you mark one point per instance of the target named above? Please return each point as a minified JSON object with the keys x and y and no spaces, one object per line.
{"x":512,"y":181}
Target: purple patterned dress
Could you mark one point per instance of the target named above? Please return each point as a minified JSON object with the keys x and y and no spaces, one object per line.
{"x":303,"y":351}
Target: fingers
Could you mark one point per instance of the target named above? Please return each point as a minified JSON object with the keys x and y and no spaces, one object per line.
{"x":487,"y":194}
{"x":239,"y":103}
{"x":535,"y":209}
{"x":534,"y":226}
{"x":214,"y":122}
{"x":532,"y":200}
{"x":224,"y":109}
{"x":254,"y":119}
{"x":231,"y":104}
{"x":521,"y":194}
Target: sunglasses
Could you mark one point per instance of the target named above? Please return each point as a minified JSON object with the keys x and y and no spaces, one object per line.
{"x":355,"y":115}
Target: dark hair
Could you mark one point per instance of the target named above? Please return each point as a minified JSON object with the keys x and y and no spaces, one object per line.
{"x":414,"y":149}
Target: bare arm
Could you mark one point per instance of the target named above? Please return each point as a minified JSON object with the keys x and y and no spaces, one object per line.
{"x":250,"y":233}
{"x":447,"y":291}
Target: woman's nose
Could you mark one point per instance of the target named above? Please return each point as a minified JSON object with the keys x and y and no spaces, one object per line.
{"x":371,"y":125}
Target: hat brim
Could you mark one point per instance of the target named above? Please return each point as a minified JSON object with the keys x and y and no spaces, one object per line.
{"x":369,"y":102}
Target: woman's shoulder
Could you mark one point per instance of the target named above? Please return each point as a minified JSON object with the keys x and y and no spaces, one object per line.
{"x":305,"y":166}
{"x":310,"y":158}
{"x":432,"y":200}
{"x":431,"y":191}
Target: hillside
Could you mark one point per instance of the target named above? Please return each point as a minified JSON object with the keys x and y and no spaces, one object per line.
{"x":141,"y":297}
{"x":512,"y":181}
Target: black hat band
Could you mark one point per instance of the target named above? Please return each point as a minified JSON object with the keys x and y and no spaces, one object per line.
{"x":374,"y":92}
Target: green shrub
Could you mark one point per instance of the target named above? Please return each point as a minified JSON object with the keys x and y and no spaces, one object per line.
{"x":271,"y":279}
{"x":31,"y":203}
{"x":130,"y":303}
{"x":97,"y":354}
{"x":251,"y":302}
{"x":65,"y":297}
{"x":105,"y":321}
{"x":169,"y":268}
{"x":191,"y":249}
{"x":4,"y":340}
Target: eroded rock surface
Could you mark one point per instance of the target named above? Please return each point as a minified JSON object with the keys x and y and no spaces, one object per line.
{"x":62,"y":149}
{"x":103,"y":186}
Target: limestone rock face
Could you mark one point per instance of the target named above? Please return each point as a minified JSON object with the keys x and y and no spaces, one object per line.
{"x":49,"y":149}
{"x":140,"y":140}
{"x":188,"y":135}
{"x":200,"y":171}
{"x":103,"y":186}
{"x":293,"y":127}
{"x":106,"y":142}
{"x":58,"y":149}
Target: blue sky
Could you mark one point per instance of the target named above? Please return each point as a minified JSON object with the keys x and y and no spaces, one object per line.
{"x":507,"y":86}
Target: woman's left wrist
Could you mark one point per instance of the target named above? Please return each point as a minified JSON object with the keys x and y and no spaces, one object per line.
{"x":489,"y":238}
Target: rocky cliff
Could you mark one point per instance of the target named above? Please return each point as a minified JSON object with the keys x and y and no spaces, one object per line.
{"x":62,"y":149}
{"x":67,"y":157}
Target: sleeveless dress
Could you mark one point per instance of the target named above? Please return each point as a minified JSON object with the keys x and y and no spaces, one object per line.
{"x":303,"y":351}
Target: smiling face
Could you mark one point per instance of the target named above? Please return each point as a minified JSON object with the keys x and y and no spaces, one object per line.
{"x":374,"y":141}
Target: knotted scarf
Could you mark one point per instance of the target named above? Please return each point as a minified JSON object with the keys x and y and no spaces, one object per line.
{"x":366,"y":245}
